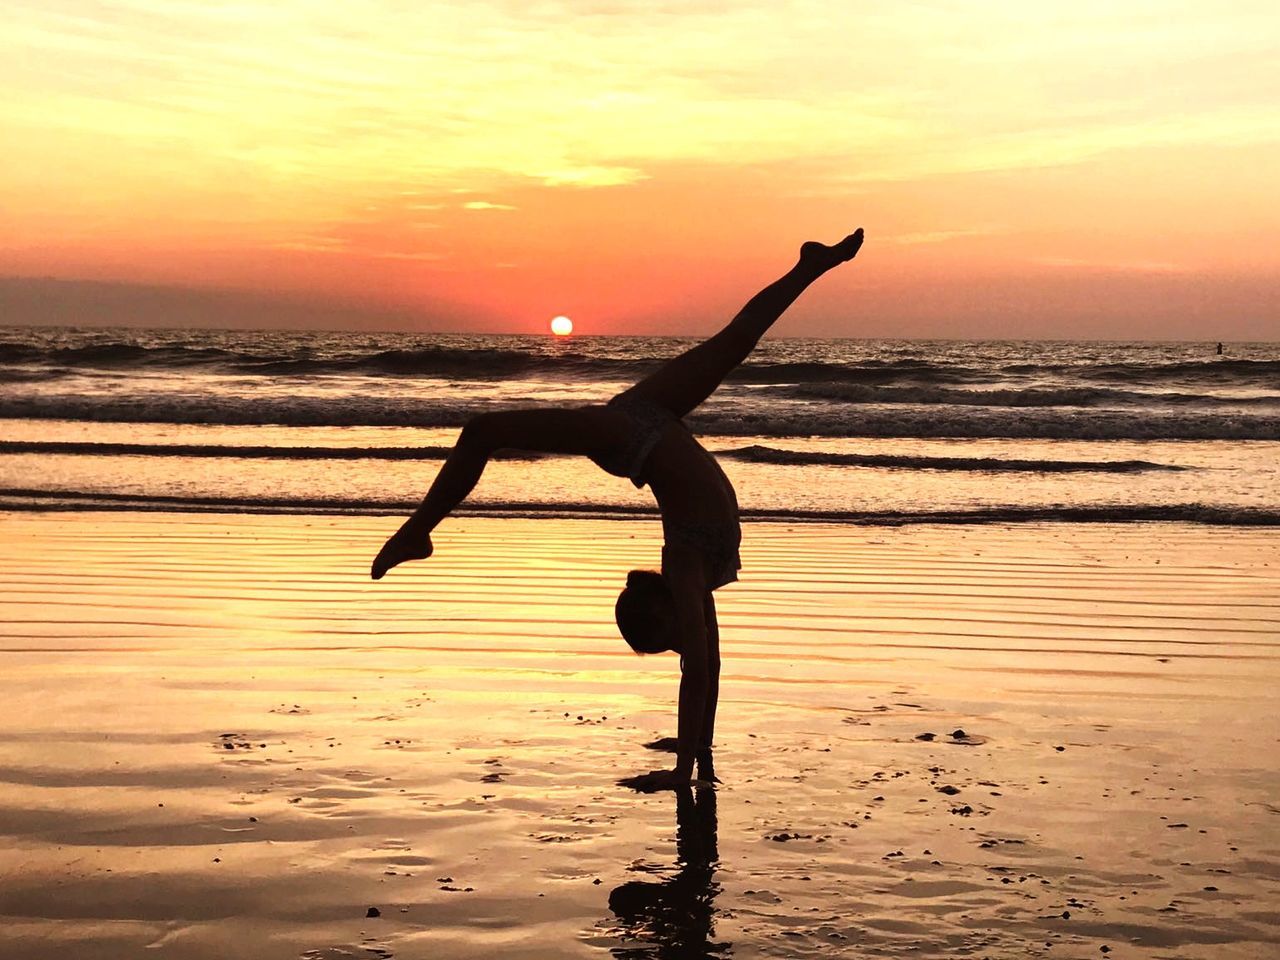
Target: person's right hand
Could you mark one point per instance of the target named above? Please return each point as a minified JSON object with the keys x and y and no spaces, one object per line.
{"x":656,"y":780}
{"x":706,"y":767}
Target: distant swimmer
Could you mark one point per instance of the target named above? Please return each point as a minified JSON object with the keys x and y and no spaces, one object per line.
{"x":640,"y":435}
{"x":1219,"y":349}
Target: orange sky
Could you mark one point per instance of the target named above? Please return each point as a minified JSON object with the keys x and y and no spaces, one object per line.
{"x":1056,"y":169}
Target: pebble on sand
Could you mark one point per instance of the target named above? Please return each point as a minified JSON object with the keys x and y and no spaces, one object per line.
{"x":372,"y":912}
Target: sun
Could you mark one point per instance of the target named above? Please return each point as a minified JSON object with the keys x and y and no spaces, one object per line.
{"x":561,"y":326}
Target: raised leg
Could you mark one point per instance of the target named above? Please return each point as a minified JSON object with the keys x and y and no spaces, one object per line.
{"x":683,"y":382}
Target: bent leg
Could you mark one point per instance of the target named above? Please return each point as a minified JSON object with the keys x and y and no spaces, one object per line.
{"x":683,"y":382}
{"x":591,"y":431}
{"x":457,"y":478}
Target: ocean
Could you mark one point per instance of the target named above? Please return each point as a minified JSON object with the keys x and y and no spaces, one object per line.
{"x":857,"y":431}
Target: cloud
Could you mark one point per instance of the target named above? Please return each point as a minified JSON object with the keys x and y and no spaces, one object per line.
{"x":938,"y":236}
{"x":1124,"y":266}
{"x":330,"y":245}
{"x":591,"y":176}
{"x":392,"y":228}
{"x":308,"y":97}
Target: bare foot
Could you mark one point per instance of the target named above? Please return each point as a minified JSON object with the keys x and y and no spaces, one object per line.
{"x":825,"y":257}
{"x":407,"y":543}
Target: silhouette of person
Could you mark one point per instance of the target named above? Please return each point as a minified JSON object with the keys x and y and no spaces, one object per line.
{"x":677,"y":915}
{"x":1219,"y":349}
{"x":640,"y":435}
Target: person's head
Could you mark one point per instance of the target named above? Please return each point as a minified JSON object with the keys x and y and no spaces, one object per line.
{"x":645,"y":612}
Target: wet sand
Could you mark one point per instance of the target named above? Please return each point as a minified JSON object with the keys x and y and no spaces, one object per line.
{"x":219,"y":739}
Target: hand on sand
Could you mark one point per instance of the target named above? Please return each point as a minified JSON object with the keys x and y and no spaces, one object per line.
{"x":656,"y":780}
{"x":665,"y":744}
{"x":825,"y":257}
{"x":706,"y":763}
{"x":407,"y":543}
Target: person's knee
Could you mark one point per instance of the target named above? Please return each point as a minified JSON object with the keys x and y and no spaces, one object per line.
{"x":736,"y":342}
{"x":478,"y":432}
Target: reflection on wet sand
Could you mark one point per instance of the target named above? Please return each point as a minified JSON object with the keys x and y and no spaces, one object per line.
{"x":675,"y":917}
{"x":218,"y":739}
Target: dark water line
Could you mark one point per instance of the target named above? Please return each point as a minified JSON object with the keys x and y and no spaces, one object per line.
{"x":247,"y":452}
{"x":25,"y":499}
{"x":751,"y":454}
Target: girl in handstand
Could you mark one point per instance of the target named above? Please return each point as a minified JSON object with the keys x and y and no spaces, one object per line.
{"x":640,"y":435}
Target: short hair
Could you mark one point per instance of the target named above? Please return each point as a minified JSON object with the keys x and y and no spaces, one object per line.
{"x":643,"y":612}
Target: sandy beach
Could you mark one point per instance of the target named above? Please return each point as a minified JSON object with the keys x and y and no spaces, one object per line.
{"x":220,"y":739}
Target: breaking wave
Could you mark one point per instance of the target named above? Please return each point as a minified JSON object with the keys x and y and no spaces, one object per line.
{"x":1081,"y":396}
{"x":724,"y":419}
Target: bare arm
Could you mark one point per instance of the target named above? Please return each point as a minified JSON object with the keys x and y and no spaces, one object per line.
{"x":699,"y":673}
{"x":695,"y":679}
{"x":706,"y":742}
{"x":706,"y":764}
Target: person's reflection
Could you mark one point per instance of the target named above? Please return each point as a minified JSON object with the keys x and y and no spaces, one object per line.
{"x":675,"y":917}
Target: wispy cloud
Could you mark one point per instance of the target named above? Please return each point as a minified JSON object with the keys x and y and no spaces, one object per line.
{"x":1121,"y":266}
{"x":299,"y":94}
{"x":331,"y":245}
{"x":938,"y":236}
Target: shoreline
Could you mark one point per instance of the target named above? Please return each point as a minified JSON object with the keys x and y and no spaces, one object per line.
{"x":70,"y":502}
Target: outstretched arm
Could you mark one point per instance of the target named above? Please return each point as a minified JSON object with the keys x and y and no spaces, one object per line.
{"x":586,"y":430}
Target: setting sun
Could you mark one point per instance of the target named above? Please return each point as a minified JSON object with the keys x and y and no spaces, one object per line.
{"x":561,"y":326}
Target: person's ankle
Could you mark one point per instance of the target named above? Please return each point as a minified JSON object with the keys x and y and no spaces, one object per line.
{"x":417,"y":525}
{"x":808,"y":270}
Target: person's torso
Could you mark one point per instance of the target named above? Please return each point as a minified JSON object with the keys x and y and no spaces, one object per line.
{"x":687,"y":482}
